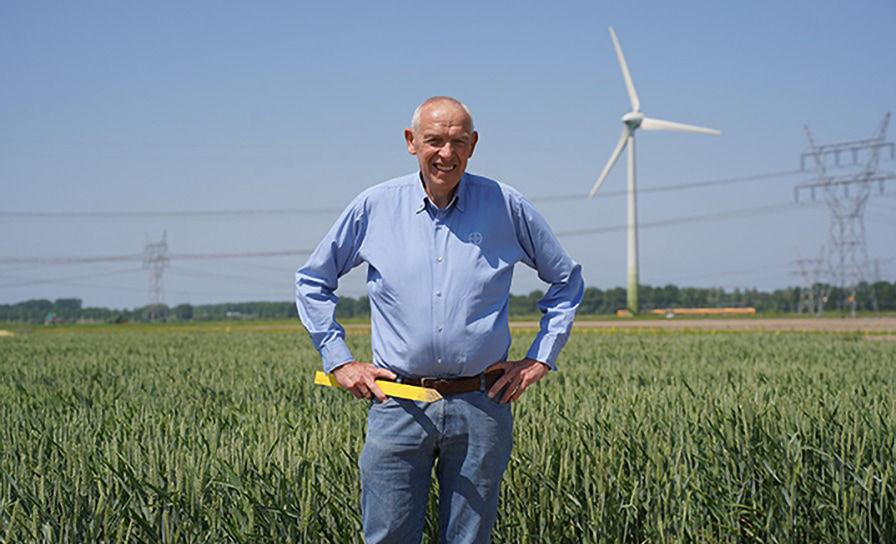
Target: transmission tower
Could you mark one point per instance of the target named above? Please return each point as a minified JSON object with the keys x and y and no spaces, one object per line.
{"x":814,"y":292}
{"x":155,"y":259}
{"x":847,"y":263}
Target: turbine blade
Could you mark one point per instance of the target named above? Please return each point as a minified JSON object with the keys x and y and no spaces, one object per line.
{"x":629,"y":86}
{"x":659,"y":124}
{"x":613,"y":158}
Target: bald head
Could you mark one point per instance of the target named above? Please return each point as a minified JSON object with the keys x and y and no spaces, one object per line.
{"x":442,"y":138}
{"x":443,"y":101}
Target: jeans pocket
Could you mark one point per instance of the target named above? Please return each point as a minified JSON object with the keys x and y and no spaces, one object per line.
{"x":498,"y":396}
{"x":496,"y":401}
{"x":390,"y":401}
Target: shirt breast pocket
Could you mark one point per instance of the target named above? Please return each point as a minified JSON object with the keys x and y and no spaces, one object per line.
{"x":492,"y":250}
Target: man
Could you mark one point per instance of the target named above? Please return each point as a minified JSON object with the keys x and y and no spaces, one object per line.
{"x":440,"y":245}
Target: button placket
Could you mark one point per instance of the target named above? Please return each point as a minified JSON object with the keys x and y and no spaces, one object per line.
{"x":440,"y":234}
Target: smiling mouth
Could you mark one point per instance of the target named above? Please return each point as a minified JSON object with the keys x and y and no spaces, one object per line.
{"x":444,"y":167}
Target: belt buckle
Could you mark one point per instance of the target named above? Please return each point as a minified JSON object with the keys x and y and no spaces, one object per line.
{"x":432,"y":382}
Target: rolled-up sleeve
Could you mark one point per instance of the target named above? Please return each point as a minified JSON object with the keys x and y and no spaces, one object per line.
{"x":555,"y":267}
{"x":317,"y":280}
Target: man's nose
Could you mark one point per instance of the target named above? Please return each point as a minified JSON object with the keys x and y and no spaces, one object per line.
{"x":446,"y":150}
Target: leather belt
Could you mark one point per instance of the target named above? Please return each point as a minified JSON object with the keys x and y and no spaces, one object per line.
{"x":454,"y":386}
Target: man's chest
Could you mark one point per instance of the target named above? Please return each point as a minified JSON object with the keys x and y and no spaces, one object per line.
{"x":415,"y":246}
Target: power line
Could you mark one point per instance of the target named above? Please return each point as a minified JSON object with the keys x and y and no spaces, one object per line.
{"x":165,"y":214}
{"x":24,"y":282}
{"x":721,"y":216}
{"x":773,"y":268}
{"x":331,"y":211}
{"x":65,"y":282}
{"x":256,"y":254}
{"x":71,"y":260}
{"x":289,"y":146}
{"x":667,"y":188}
{"x":193,"y":273}
{"x":262,"y":267}
{"x":139,"y":257}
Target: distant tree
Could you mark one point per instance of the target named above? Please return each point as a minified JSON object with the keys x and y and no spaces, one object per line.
{"x":614,"y":299}
{"x":594,"y":301}
{"x":532,"y":302}
{"x":184,"y":312}
{"x":669,"y":296}
{"x":345,"y":307}
{"x":886,"y":295}
{"x":362,"y":306}
{"x":154,"y":312}
{"x":40,"y":305}
{"x":518,"y":305}
{"x":67,"y":304}
{"x":693,"y":298}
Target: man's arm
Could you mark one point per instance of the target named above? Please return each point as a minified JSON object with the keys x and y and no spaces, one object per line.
{"x":558,"y":305}
{"x":555,"y":267}
{"x":316,"y":299}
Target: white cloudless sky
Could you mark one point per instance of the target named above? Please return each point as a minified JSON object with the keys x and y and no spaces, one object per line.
{"x":131,"y":107}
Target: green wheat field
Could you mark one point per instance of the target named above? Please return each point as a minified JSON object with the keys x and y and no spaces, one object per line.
{"x":212,"y":434}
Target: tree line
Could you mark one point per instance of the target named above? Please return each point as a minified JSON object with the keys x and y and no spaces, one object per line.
{"x":595,"y":302}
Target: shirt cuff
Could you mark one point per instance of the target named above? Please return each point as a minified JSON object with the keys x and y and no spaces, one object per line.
{"x":335,"y":354}
{"x":545,"y":349}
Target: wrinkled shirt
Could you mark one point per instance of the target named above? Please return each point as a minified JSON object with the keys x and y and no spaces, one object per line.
{"x":438,"y":280}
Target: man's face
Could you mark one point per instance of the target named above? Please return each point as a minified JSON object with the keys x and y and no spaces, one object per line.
{"x":443,"y":143}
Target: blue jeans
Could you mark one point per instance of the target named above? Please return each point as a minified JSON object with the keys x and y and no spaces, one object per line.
{"x":469,"y":436}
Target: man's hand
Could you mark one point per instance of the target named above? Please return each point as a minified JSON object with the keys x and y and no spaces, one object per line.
{"x":359,"y":379}
{"x":518,"y":375}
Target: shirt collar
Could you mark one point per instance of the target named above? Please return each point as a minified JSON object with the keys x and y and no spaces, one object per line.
{"x":458,"y":201}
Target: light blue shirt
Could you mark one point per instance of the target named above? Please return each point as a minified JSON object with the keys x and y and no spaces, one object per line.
{"x":438,"y":279}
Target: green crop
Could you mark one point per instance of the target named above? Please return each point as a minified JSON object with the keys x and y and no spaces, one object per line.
{"x":210,"y":436}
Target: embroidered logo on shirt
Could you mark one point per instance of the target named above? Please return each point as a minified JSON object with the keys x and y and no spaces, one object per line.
{"x":475,"y":238}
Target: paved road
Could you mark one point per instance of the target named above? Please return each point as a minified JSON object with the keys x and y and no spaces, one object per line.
{"x":863,"y":324}
{"x":882,"y":325}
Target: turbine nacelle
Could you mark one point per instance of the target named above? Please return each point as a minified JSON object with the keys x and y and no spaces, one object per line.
{"x":633,"y":119}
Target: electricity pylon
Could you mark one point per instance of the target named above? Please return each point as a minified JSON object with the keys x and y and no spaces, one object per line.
{"x":848,"y":265}
{"x":155,"y":258}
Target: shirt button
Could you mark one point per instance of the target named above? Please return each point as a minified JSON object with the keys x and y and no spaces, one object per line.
{"x":438,"y":293}
{"x":440,"y":329}
{"x":439,"y":259}
{"x":439,"y":361}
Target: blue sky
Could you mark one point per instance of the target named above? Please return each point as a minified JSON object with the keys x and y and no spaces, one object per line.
{"x":208,"y":106}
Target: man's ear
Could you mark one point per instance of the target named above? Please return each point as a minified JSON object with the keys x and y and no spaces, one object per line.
{"x":473,"y":142}
{"x":409,"y":139}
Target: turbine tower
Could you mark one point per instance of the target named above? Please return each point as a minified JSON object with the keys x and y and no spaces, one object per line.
{"x":632,"y":121}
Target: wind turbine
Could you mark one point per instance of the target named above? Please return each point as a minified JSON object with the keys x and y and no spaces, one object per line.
{"x":632,"y":121}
